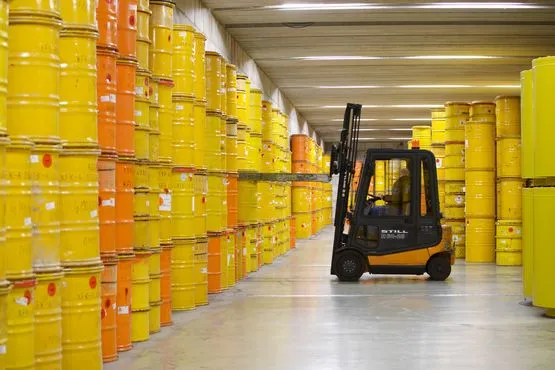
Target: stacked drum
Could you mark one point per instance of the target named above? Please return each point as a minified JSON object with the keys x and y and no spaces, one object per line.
{"x":509,"y":182}
{"x":438,"y":148}
{"x":456,"y":117}
{"x":480,"y":183}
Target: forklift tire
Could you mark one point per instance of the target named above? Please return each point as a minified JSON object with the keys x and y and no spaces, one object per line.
{"x":349,"y":266}
{"x":439,"y":268}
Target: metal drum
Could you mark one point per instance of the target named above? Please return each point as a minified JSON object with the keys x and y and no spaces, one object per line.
{"x":255,"y":111}
{"x":33,"y":78}
{"x":480,"y":194}
{"x":223,"y":87}
{"x":79,"y":226}
{"x":200,"y":67}
{"x":161,"y":28}
{"x":125,"y":181}
{"x":249,"y":201}
{"x":106,"y":85}
{"x":508,"y":158}
{"x":213,"y":81}
{"x":183,"y":275}
{"x":81,"y":326}
{"x":480,"y":240}
{"x":232,"y":200}
{"x":107,"y":204}
{"x":544,"y":112}
{"x":214,"y":148}
{"x":201,"y":272}
{"x":78,"y":98}
{"x":231,"y":146}
{"x":183,"y":204}
{"x":165,"y":203}
{"x":165,"y":286}
{"x":43,"y":8}
{"x":143,"y":37}
{"x":201,"y":193}
{"x":480,"y":145}
{"x":107,"y":16}
{"x":125,"y":114}
{"x":507,"y":112}
{"x":214,"y":263}
{"x":510,"y":199}
{"x":81,"y":15}
{"x":183,"y":132}
{"x":127,"y":28}
{"x":183,"y":62}
{"x":528,"y":241}
{"x":20,"y":324}
{"x":424,"y":136}
{"x":254,"y":151}
{"x":108,"y":312}
{"x":482,"y":111}
{"x":231,"y":86}
{"x":508,"y":243}
{"x":123,"y":301}
{"x":216,"y":202}
{"x":165,"y":120}
{"x":45,"y":180}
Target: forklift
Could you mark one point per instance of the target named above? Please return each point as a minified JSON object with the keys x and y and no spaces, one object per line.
{"x":396,"y":230}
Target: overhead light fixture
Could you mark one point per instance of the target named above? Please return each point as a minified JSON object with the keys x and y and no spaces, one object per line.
{"x":384,"y":138}
{"x":337,"y":57}
{"x":450,"y":57}
{"x":436,"y":86}
{"x":376,"y":6}
{"x":381,"y":129}
{"x":504,"y":86}
{"x":322,"y":6}
{"x":408,"y":106}
{"x":389,"y":119}
{"x":412,"y":57}
{"x":482,"y":5}
{"x":351,"y":87}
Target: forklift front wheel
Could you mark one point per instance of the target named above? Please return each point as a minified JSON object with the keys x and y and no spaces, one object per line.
{"x":349,"y":266}
{"x":439,"y":268}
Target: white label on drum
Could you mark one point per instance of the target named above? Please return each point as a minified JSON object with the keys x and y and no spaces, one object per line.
{"x":193,"y":204}
{"x":139,"y":90}
{"x":109,"y":202}
{"x":2,"y":350}
{"x":244,"y":251}
{"x":105,"y":98}
{"x":123,"y":310}
{"x":94,"y":213}
{"x":156,"y":97}
{"x":50,"y":206}
{"x":179,"y":107}
{"x":34,"y":158}
{"x":133,"y":7}
{"x":439,"y":162}
{"x":203,"y":270}
{"x":114,"y":306}
{"x":138,"y":113}
{"x":22,"y":301}
{"x":166,"y":204}
{"x":113,"y":98}
{"x":183,"y":177}
{"x":459,"y":200}
{"x":27,"y":221}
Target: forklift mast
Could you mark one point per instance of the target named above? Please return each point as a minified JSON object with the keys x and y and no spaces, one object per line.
{"x":343,"y":158}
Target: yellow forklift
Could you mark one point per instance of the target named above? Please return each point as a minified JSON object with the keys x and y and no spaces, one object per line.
{"x":396,"y":230}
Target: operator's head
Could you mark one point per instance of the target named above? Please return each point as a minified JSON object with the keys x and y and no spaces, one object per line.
{"x":404,"y":172}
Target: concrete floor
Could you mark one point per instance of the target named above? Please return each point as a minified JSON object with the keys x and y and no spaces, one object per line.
{"x":294,"y":315}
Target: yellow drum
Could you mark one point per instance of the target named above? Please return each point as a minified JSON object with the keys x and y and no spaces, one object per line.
{"x":231,"y":85}
{"x":33,"y":78}
{"x":454,"y":187}
{"x":183,"y":204}
{"x":165,"y":119}
{"x":438,"y":126}
{"x":20,"y":323}
{"x":267,"y":191}
{"x":141,"y":175}
{"x":161,"y":25}
{"x":143,"y":22}
{"x":142,"y":143}
{"x":142,"y":99}
{"x":140,"y":280}
{"x":507,"y":112}
{"x":527,"y":241}
{"x":154,"y":146}
{"x":255,"y":111}
{"x":79,"y":238}
{"x":45,"y":179}
{"x":252,"y":245}
{"x":48,"y":320}
{"x":527,"y":124}
{"x":183,"y":62}
{"x":200,"y":67}
{"x":165,"y":203}
{"x":183,"y":132}
{"x":543,"y":253}
{"x":143,"y":52}
{"x":155,"y":292}
{"x":141,"y":234}
{"x":199,"y":133}
{"x":480,"y":194}
{"x":216,"y":203}
{"x":201,"y":272}
{"x":183,"y":276}
{"x":453,"y":213}
{"x":249,"y":201}
{"x":424,"y":136}
{"x":482,"y":111}
{"x":300,"y":194}
{"x":78,"y":103}
{"x":78,"y":15}
{"x":140,"y":325}
{"x":454,"y":161}
{"x":456,"y":109}
{"x":4,"y":290}
{"x":81,"y":325}
{"x":508,"y":245}
{"x":201,"y":192}
{"x":213,"y":81}
{"x":231,"y":145}
{"x":223,"y":88}
{"x":242,"y":150}
{"x":270,"y":127}
{"x":141,"y":203}
{"x":40,"y":8}
{"x":544,"y":112}
{"x":304,"y":225}
{"x":214,"y":142}
{"x":18,"y":211}
{"x":480,"y":240}
{"x":508,"y":158}
{"x":154,"y":321}
{"x":480,"y":145}
{"x":254,"y":151}
{"x":454,"y":136}
{"x":510,"y":199}
{"x":268,"y":242}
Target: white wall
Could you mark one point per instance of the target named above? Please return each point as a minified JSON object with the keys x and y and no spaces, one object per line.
{"x":218,"y":39}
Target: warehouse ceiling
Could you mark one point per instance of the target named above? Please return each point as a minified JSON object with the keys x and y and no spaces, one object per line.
{"x":398,"y":58}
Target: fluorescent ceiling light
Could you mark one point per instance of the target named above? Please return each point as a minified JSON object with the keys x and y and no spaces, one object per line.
{"x":338,"y":57}
{"x":384,"y":138}
{"x":367,"y":6}
{"x":388,"y":119}
{"x":450,"y":57}
{"x":351,"y":87}
{"x":381,"y":129}
{"x":504,"y":86}
{"x":322,"y":6}
{"x":412,"y":57}
{"x":435,"y":86}
{"x":408,"y":106}
{"x":412,"y":119}
{"x":483,"y":5}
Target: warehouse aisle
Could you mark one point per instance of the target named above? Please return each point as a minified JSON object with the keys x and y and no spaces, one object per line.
{"x":294,"y":315}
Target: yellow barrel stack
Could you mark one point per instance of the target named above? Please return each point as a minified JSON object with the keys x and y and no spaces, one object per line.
{"x":479,"y":163}
{"x":509,"y":182}
{"x":438,"y":148}
{"x":456,"y":117}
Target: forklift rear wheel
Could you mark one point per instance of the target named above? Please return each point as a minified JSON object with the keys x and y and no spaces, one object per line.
{"x":439,"y":268}
{"x":349,"y":266}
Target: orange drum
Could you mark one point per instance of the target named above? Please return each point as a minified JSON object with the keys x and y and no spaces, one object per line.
{"x":108,"y":310}
{"x":166,"y":286}
{"x":106,"y":97}
{"x":214,"y":263}
{"x":107,"y":22}
{"x":125,"y":182}
{"x":301,"y":167}
{"x":123,"y":302}
{"x":107,"y":204}
{"x":127,"y":28}
{"x":300,"y":147}
{"x":232,"y":200}
{"x":125,"y":109}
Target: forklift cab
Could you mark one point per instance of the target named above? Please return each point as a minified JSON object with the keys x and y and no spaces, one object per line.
{"x":395,"y":226}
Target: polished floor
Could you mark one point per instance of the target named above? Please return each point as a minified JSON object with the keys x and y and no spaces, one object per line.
{"x":293,"y":315}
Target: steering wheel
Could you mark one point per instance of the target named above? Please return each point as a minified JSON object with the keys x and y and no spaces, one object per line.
{"x":372,"y":198}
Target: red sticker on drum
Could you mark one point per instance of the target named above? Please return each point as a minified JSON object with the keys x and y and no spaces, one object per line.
{"x":132,"y":20}
{"x":28,"y":296}
{"x":92,"y":282}
{"x":103,"y":313}
{"x":47,"y":160}
{"x":51,"y":289}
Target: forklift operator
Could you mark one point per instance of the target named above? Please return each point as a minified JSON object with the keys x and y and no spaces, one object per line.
{"x":398,"y":203}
